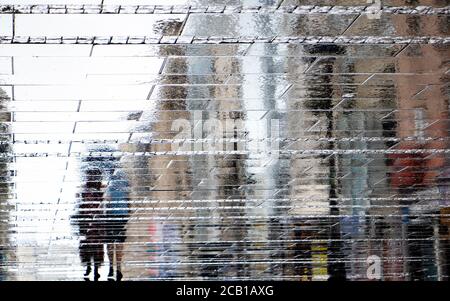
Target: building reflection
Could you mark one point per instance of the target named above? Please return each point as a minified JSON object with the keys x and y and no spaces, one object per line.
{"x":360,"y":167}
{"x":102,"y":215}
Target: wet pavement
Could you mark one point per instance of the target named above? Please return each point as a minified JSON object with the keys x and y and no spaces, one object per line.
{"x":248,"y":139}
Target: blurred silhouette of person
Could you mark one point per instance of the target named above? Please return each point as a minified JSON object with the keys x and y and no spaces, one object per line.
{"x":116,"y":213}
{"x":90,"y":223}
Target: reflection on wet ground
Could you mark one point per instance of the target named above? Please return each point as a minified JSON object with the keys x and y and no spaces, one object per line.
{"x":308,"y":159}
